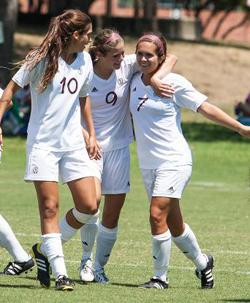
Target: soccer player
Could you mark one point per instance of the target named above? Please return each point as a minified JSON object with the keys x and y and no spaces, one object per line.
{"x":165,"y":158}
{"x":59,"y":74}
{"x":23,"y":262}
{"x":109,"y":97}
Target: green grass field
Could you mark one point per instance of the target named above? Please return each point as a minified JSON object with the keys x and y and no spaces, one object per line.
{"x":215,"y":204}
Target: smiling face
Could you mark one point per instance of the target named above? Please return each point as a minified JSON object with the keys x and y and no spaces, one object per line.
{"x":147,"y":57}
{"x":113,"y":58}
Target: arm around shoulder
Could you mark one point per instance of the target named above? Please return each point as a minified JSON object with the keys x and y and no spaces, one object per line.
{"x":162,"y":89}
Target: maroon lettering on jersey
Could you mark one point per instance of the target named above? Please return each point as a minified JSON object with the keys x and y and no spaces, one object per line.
{"x":72,"y":85}
{"x":111,"y":98}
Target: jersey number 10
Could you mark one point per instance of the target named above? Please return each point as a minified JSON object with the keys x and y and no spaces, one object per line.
{"x":71,"y":85}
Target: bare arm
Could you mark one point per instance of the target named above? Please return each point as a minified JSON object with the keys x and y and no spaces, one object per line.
{"x":6,"y":103}
{"x":160,"y":88}
{"x":93,"y":146}
{"x":217,"y":115}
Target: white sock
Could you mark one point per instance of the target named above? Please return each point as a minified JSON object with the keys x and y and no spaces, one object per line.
{"x":51,"y":247}
{"x":9,"y":241}
{"x":105,"y":241}
{"x":188,"y":244}
{"x":67,"y":231}
{"x":88,"y":234}
{"x":161,"y":249}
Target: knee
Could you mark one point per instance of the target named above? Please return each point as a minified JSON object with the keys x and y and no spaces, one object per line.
{"x":49,"y":208}
{"x":156,"y":218}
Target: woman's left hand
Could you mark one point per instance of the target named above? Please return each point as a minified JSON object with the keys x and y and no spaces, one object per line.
{"x":94,"y":148}
{"x":162,"y":89}
{"x":245,"y":131}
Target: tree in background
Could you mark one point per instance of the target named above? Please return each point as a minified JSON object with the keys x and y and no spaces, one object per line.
{"x":8,"y":17}
{"x":56,"y":7}
{"x":150,"y":14}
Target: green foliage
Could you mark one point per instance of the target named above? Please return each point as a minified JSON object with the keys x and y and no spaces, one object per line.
{"x":215,"y":204}
{"x":124,"y":3}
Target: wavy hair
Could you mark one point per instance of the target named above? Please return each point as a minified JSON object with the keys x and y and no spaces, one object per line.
{"x":56,"y":40}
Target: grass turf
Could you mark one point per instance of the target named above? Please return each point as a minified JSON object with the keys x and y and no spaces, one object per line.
{"x":215,"y":204}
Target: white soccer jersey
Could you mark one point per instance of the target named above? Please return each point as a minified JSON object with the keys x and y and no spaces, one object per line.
{"x":157,"y":122}
{"x":55,"y":113}
{"x":110,"y":106}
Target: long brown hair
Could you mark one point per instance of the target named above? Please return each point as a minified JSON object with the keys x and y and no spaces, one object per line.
{"x":103,"y":42}
{"x":56,"y":40}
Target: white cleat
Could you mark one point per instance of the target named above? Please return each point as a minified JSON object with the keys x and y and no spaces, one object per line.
{"x":86,"y":271}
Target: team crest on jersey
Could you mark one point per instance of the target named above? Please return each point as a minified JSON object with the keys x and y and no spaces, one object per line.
{"x":120,"y":81}
{"x":94,"y":90}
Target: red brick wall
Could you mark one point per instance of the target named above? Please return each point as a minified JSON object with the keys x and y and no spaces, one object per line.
{"x":239,"y":34}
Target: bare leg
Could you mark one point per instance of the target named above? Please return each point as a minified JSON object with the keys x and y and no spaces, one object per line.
{"x":51,"y":247}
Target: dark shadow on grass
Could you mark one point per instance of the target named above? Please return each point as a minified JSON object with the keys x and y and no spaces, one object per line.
{"x":29,"y":278}
{"x":125,"y":285}
{"x":19,"y":286}
{"x":206,"y":132}
{"x":203,"y":132}
{"x":80,"y":282}
{"x":235,"y":300}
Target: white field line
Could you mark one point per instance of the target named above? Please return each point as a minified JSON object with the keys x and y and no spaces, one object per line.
{"x":221,"y":252}
{"x":220,"y":186}
{"x":181,"y":268}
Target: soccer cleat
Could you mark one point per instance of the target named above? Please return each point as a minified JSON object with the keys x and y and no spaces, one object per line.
{"x":86,"y":271}
{"x":206,"y":275}
{"x":43,"y":266}
{"x":154,"y":283}
{"x":16,"y":268}
{"x":64,"y":283}
{"x":100,"y":276}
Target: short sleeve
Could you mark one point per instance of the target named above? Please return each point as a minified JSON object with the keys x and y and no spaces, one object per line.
{"x":186,"y":96}
{"x":86,"y":87}
{"x":131,"y":63}
{"x":22,"y":76}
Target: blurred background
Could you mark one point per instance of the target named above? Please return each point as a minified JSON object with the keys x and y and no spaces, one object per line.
{"x":192,"y":27}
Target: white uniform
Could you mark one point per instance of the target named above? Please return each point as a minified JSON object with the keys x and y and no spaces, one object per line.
{"x":161,"y":145}
{"x":54,"y":126}
{"x":112,"y":122}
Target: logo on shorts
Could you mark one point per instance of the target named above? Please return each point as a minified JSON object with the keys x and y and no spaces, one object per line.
{"x":35,"y":170}
{"x":171,"y":189}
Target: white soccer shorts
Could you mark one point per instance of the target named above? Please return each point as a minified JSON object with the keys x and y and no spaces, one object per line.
{"x":44,"y":165}
{"x":113,"y":171}
{"x":166,"y":182}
